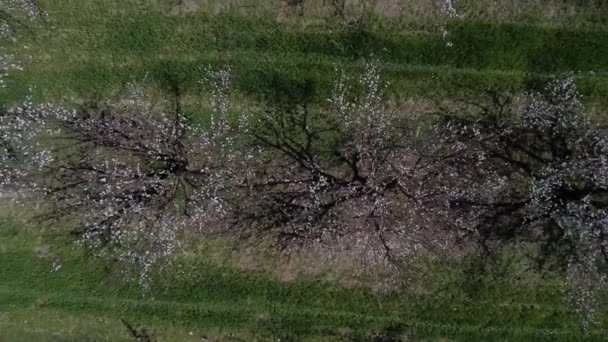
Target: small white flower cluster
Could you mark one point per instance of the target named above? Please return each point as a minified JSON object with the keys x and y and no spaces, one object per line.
{"x":448,"y":13}
{"x":365,"y":120}
{"x":219,"y":82}
{"x":582,"y":286}
{"x":21,"y":151}
{"x":6,"y":31}
{"x":558,"y":109}
{"x":27,"y":8}
{"x":7,"y":63}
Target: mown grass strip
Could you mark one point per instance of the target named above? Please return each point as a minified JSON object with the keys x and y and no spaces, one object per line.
{"x":476,"y":45}
{"x":95,"y":57}
{"x":309,"y":78}
{"x":273,"y":320}
{"x":218,"y":298}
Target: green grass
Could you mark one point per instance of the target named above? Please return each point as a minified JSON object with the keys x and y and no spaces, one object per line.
{"x":95,"y":53}
{"x":83,"y":301}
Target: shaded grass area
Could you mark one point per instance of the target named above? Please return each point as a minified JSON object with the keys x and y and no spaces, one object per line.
{"x":83,"y":301}
{"x":93,"y":54}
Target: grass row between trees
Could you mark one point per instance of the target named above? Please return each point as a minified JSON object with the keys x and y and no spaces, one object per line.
{"x":80,"y":301}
